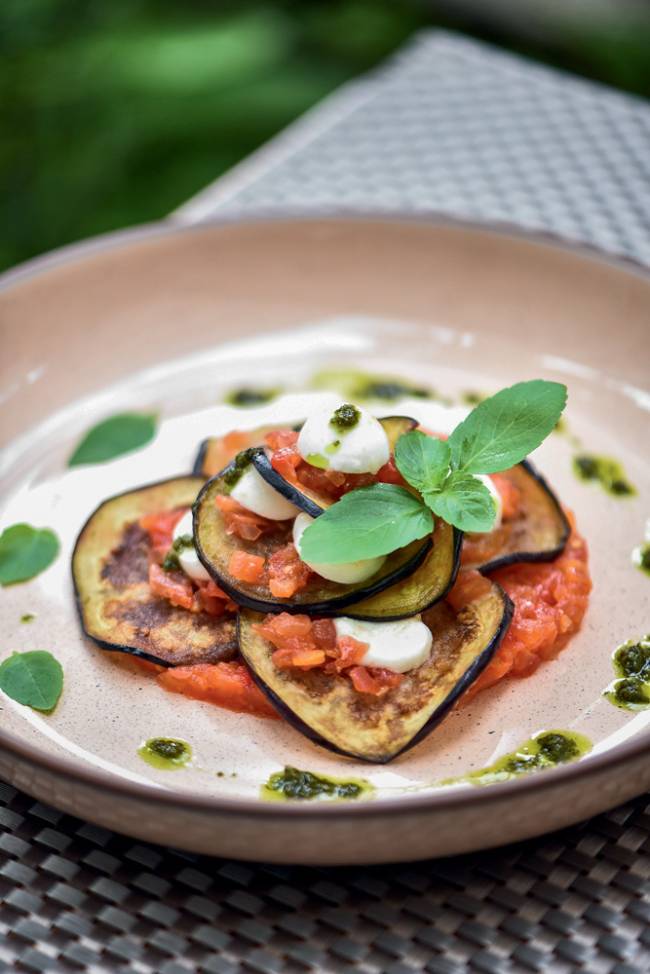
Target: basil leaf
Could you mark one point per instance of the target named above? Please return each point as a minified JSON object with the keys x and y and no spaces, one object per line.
{"x":111,"y":438}
{"x":422,"y":460}
{"x":366,"y":523}
{"x":464,"y":502}
{"x":25,"y":551}
{"x":505,"y":428}
{"x":34,"y":679}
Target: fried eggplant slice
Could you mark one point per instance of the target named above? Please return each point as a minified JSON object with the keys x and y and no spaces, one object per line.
{"x":538,"y":532}
{"x":110,"y":569}
{"x":306,"y":499}
{"x":330,"y":712}
{"x":215,"y":548}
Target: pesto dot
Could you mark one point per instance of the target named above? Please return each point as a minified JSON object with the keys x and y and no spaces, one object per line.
{"x":633,"y":659}
{"x":345,"y":417}
{"x":631,"y":690}
{"x":250,"y":397}
{"x":304,"y":785}
{"x":557,"y":748}
{"x":237,"y":467}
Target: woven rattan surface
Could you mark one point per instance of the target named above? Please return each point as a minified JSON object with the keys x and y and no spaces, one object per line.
{"x":453,"y":127}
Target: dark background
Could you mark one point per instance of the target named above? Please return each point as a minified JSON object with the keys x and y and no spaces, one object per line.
{"x":116,"y":111}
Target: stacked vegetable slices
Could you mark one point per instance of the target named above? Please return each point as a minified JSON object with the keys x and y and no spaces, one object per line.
{"x":128,"y":603}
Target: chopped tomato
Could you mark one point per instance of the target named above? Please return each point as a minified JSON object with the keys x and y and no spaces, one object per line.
{"x":349,"y":653}
{"x":173,"y":586}
{"x":245,"y":567}
{"x":290,"y":465}
{"x":278,"y":439}
{"x":160,"y":528}
{"x":389,"y":474}
{"x":241,"y":522}
{"x":375,"y":681}
{"x":229,"y":685}
{"x":214,"y":600}
{"x":287,"y":573}
{"x":324,"y":633}
{"x":301,"y":659}
{"x":510,"y":495}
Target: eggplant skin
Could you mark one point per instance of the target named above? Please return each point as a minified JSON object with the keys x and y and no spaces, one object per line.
{"x":327,"y":709}
{"x":214,"y":548}
{"x":310,"y":501}
{"x":110,"y":566}
{"x":542,"y":530}
{"x":429,"y":583}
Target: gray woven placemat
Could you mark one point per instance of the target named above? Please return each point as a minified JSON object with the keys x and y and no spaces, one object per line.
{"x":453,"y":127}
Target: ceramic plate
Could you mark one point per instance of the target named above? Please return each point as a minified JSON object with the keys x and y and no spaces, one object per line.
{"x":169,"y":320}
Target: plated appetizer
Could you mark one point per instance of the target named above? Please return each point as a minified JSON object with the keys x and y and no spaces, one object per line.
{"x":353,"y":575}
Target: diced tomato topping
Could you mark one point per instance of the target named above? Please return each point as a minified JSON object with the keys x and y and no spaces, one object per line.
{"x":214,"y":600}
{"x":221,"y":450}
{"x":510,"y":495}
{"x":350,"y":652}
{"x":229,"y":685}
{"x":290,"y":465}
{"x":278,"y":439}
{"x":287,"y":573}
{"x":389,"y":474}
{"x":160,"y":528}
{"x":246,"y":567}
{"x":241,"y":522}
{"x":302,"y":643}
{"x":173,"y":586}
{"x":375,"y":681}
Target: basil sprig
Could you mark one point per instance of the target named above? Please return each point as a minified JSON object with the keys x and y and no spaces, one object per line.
{"x":500,"y":432}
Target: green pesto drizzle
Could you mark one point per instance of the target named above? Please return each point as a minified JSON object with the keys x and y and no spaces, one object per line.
{"x":605,"y":471}
{"x":171,"y":562}
{"x":472,"y":398}
{"x":545,"y":750}
{"x":631,"y":662}
{"x":165,"y":753}
{"x":241,"y":462}
{"x":345,"y":418}
{"x":305,"y":786}
{"x":361,"y":386}
{"x":247,"y":396}
{"x":28,"y":617}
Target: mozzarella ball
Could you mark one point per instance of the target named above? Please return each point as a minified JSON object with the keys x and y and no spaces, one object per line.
{"x":361,"y":448}
{"x":187,"y":557}
{"x":253,"y":493}
{"x":398,"y":646}
{"x":346,"y":573}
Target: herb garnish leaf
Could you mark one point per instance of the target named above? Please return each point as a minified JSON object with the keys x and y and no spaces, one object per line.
{"x":366,"y":523}
{"x":34,"y":679}
{"x":505,"y":428}
{"x":499,"y":433}
{"x":422,"y":460}
{"x":111,"y":438}
{"x":25,"y":552}
{"x":464,"y":501}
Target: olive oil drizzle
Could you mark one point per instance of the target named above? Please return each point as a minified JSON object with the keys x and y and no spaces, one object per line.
{"x":166,"y":753}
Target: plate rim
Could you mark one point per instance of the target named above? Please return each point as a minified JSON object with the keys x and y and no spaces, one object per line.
{"x":431,"y":799}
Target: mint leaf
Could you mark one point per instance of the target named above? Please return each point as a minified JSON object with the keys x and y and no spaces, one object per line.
{"x":111,"y":438}
{"x":464,"y":502}
{"x":505,"y":428}
{"x":366,"y":523}
{"x":25,"y":551}
{"x":422,"y":460}
{"x":34,"y":679}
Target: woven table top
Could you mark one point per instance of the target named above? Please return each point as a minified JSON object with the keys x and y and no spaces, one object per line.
{"x":453,"y":127}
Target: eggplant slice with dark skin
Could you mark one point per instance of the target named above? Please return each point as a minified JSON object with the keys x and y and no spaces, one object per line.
{"x":215,"y":547}
{"x":330,"y":712}
{"x":213,"y":455}
{"x":110,"y":569}
{"x":538,"y":533}
{"x":310,"y":501}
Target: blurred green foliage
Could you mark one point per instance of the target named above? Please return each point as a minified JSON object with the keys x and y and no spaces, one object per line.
{"x":113,"y":112}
